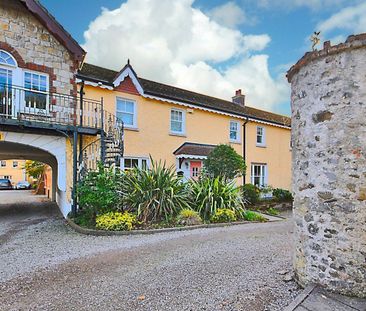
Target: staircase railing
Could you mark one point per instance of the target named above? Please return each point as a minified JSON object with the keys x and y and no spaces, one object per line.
{"x":108,"y":149}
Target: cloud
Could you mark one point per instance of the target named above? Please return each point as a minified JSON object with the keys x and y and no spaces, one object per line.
{"x":172,"y":42}
{"x":311,"y":4}
{"x":351,"y":19}
{"x":230,"y":15}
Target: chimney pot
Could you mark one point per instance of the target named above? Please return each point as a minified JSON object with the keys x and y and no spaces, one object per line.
{"x":239,"y":98}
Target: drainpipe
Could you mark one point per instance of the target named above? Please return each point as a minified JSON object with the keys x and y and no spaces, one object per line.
{"x":81,"y":120}
{"x":244,"y":147}
{"x":74,"y":172}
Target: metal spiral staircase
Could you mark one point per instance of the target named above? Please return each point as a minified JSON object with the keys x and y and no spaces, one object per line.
{"x":108,"y":149}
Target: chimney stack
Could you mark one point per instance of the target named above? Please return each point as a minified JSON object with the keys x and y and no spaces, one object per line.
{"x":239,"y":98}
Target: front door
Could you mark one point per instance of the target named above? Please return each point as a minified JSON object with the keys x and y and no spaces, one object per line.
{"x":195,"y":169}
{"x":6,"y":92}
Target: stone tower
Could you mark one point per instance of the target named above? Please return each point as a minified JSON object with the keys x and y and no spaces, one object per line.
{"x":328,"y":101}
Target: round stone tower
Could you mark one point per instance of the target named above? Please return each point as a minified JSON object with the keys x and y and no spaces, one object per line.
{"x":328,"y":98}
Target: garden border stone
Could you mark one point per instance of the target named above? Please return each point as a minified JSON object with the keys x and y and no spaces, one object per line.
{"x":95,"y":232}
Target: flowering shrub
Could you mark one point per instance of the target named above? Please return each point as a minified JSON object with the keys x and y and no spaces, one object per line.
{"x":223,"y":215}
{"x":116,"y":221}
{"x":189,"y":217}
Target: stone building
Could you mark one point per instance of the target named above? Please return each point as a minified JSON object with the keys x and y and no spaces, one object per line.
{"x":329,"y":166}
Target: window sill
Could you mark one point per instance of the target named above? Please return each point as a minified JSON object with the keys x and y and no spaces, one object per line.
{"x":134,"y":129}
{"x":238,"y":142}
{"x":177,"y":134}
{"x":261,"y":146}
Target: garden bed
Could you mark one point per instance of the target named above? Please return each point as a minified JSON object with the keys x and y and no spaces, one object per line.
{"x":97,"y":232}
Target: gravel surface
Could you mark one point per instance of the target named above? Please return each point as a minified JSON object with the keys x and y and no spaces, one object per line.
{"x":47,"y":266}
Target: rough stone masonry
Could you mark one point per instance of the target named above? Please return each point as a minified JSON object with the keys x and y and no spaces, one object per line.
{"x":329,"y":166}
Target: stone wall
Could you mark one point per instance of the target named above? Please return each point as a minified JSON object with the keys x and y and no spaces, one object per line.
{"x":34,"y":48}
{"x":329,"y":166}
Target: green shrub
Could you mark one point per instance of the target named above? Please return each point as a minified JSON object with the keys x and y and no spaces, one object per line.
{"x":99,"y":192}
{"x":210,"y":194}
{"x":272,"y":211}
{"x":224,"y":162}
{"x":188,"y":217}
{"x":155,"y":194}
{"x":223,"y":215}
{"x":253,"y":216}
{"x":282,"y":195}
{"x":115,"y":221}
{"x":251,"y":193}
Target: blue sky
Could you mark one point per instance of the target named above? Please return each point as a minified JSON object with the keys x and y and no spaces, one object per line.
{"x":213,"y":47}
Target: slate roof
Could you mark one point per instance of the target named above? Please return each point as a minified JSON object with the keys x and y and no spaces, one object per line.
{"x":107,"y":76}
{"x":194,"y":149}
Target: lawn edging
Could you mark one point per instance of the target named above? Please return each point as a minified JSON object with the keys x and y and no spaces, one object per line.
{"x":96,"y":232}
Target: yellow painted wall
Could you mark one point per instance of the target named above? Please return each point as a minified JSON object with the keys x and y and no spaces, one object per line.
{"x":17,"y":174}
{"x":152,"y":136}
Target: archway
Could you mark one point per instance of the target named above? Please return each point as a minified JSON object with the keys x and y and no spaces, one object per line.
{"x":48,"y":149}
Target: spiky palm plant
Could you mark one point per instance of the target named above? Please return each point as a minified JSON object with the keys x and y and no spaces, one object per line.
{"x":155,"y":194}
{"x":209,"y":194}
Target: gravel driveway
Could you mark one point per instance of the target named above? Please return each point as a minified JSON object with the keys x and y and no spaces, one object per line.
{"x":47,"y":266}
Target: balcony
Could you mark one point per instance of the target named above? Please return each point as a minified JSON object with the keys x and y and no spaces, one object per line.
{"x":20,"y":106}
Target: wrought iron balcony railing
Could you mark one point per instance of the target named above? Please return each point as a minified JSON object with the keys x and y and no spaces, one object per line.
{"x":38,"y":106}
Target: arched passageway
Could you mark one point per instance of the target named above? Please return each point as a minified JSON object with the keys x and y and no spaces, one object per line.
{"x":48,"y":149}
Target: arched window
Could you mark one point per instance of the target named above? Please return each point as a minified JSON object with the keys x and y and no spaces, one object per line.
{"x":7,"y":59}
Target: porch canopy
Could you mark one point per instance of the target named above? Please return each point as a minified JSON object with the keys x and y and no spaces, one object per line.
{"x":193,"y":151}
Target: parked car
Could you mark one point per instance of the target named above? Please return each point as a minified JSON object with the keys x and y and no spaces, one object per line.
{"x":23,"y":185}
{"x":5,"y":184}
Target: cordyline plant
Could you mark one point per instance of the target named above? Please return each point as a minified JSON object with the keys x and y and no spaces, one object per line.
{"x":210,"y":194}
{"x":155,"y":194}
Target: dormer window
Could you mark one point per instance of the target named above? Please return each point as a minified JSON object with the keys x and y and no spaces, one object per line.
{"x":7,"y":59}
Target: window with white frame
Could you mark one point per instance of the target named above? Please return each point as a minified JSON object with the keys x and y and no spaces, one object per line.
{"x":129,"y":163}
{"x":7,"y":59}
{"x":259,"y":175}
{"x":177,"y":121}
{"x":234,"y":131}
{"x":6,"y":177}
{"x":36,"y":97}
{"x":3,"y":163}
{"x":126,"y":111}
{"x":261,"y":136}
{"x":15,"y":164}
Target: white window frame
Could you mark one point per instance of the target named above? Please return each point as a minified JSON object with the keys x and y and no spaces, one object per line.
{"x":15,"y":164}
{"x":263,"y":174}
{"x":183,"y":122}
{"x":134,"y":125}
{"x":36,"y":110}
{"x":139,"y":159}
{"x":237,"y":140}
{"x":263,"y":143}
{"x":3,"y":162}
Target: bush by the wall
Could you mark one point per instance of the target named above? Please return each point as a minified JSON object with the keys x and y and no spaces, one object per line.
{"x":282,"y":195}
{"x":251,"y":193}
{"x":99,"y":192}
